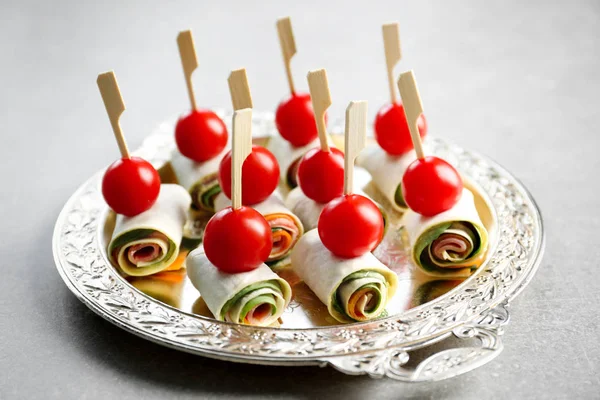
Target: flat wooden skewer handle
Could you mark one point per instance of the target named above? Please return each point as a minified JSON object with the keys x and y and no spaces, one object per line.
{"x":113,"y":102}
{"x":189,"y":61}
{"x":321,"y":100}
{"x":413,"y":108}
{"x":391,"y":44}
{"x":241,"y":148}
{"x":355,"y":139}
{"x":239,"y":89}
{"x":288,"y":47}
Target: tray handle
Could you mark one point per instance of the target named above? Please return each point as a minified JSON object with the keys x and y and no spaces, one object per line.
{"x":395,"y":362}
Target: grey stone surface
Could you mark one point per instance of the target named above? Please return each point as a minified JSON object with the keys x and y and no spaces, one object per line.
{"x":518,"y":81}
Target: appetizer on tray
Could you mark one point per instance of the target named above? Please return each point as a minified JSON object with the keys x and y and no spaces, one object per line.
{"x":286,"y":227}
{"x":229,"y":271}
{"x":321,"y":170}
{"x":201,"y":138}
{"x":294,"y":118}
{"x":335,"y":260}
{"x":149,"y":242}
{"x":445,"y":232}
{"x":150,"y":216}
{"x":260,"y":175}
{"x":387,"y":160}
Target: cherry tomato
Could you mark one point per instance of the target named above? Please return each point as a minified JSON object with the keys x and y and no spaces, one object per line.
{"x":237,"y":240}
{"x":295,"y":119}
{"x":321,"y":174}
{"x":260,"y":175}
{"x":350,"y":226}
{"x":200,"y":135}
{"x":130,"y":186}
{"x":391,"y":129}
{"x":431,"y":186}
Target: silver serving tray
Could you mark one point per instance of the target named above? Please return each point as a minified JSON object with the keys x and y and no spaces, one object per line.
{"x":435,"y":329}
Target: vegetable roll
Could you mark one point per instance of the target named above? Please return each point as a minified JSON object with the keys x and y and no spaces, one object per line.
{"x":200,"y":179}
{"x":308,"y":210}
{"x":286,"y":227}
{"x":386,"y":172}
{"x":149,"y":242}
{"x":256,"y":297}
{"x":449,"y":244}
{"x":289,"y":157}
{"x":354,"y":289}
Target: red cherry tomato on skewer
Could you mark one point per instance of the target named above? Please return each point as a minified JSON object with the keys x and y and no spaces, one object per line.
{"x":391,"y":129}
{"x":200,"y":135}
{"x":130,"y":186}
{"x":260,"y":175}
{"x":321,"y":174}
{"x":237,"y":240}
{"x":431,"y":186}
{"x":350,"y":226}
{"x":295,"y":119}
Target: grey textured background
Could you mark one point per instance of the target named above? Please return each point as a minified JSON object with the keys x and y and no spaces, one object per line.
{"x":518,"y":81}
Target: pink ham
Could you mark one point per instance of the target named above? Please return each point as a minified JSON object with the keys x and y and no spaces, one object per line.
{"x":143,"y":253}
{"x":258,"y":314}
{"x":450,"y":243}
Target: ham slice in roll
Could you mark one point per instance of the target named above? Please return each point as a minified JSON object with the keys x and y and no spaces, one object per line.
{"x":200,"y":179}
{"x":256,"y":297}
{"x":149,"y":242}
{"x":286,"y":227}
{"x":386,"y":172}
{"x":449,"y":244}
{"x":354,"y":289}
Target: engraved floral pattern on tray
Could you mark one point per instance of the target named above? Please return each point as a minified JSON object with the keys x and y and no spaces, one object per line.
{"x":82,"y":265}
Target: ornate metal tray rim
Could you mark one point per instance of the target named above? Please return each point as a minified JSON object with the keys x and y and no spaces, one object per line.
{"x":293,"y":346}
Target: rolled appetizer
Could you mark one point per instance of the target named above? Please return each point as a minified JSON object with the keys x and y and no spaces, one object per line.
{"x":229,"y":272}
{"x":354,"y":289}
{"x":286,"y":227}
{"x":257,"y":297}
{"x":201,"y":138}
{"x":148,"y":243}
{"x":201,"y":179}
{"x":308,"y":210}
{"x":449,"y":244}
{"x":386,"y":172}
{"x":387,"y":161}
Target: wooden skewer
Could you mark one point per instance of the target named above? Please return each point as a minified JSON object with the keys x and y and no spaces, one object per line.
{"x":239,"y":89}
{"x":288,"y":47}
{"x":321,"y":100}
{"x":113,"y":102}
{"x":241,"y":148}
{"x":189,"y":61}
{"x":413,"y":108}
{"x":391,"y":44}
{"x":355,"y":139}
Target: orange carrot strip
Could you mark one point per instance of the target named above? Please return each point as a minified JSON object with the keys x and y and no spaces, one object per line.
{"x":353,"y":300}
